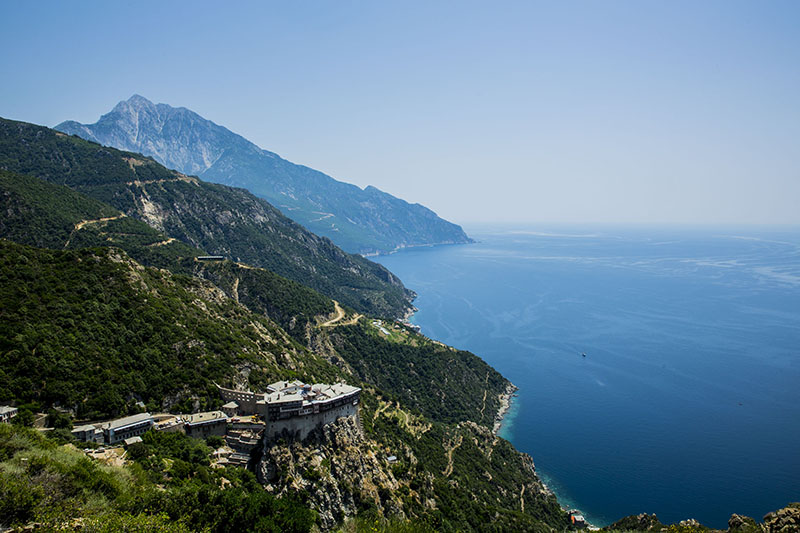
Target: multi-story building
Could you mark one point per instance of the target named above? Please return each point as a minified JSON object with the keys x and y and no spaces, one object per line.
{"x":7,"y":413}
{"x":294,"y":409}
{"x":118,"y":430}
{"x":201,"y":425}
{"x":88,"y":433}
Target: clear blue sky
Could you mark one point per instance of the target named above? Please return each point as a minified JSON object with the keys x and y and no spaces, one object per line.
{"x":611,"y":111}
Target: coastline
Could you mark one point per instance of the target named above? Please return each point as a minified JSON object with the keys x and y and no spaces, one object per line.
{"x":505,"y":410}
{"x":505,"y":404}
{"x":400,"y":248}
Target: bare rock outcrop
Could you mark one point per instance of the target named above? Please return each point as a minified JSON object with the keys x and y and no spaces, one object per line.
{"x":786,"y":520}
{"x":339,"y":469}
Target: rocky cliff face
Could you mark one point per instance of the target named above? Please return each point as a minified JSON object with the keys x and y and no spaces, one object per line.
{"x":786,"y":520}
{"x":360,"y":221}
{"x":175,"y":137}
{"x":346,"y":472}
{"x":338,"y":467}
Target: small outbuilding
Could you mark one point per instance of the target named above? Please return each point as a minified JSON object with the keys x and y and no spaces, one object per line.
{"x":131,"y":440}
{"x":7,"y":413}
{"x":231,"y":409}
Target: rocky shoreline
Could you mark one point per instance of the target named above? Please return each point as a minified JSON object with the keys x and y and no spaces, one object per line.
{"x":505,"y":405}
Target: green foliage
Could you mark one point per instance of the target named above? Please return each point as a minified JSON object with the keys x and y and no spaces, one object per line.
{"x":24,"y":417}
{"x":288,"y":303}
{"x":215,"y":441}
{"x":382,"y":525}
{"x":643,"y":522}
{"x":116,"y":522}
{"x":91,"y":329}
{"x":54,"y":485}
{"x":46,"y":215}
{"x":219,"y":219}
{"x":58,"y":420}
{"x":444,"y":384}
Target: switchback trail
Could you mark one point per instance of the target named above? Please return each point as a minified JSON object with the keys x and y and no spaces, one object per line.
{"x":83,"y":223}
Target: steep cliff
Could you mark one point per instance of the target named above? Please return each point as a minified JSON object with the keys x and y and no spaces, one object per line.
{"x":449,"y":477}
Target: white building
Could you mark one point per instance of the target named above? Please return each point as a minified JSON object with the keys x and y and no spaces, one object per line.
{"x":201,"y":425}
{"x":7,"y":413}
{"x":293,"y":409}
{"x":131,"y":426}
{"x":88,"y":433}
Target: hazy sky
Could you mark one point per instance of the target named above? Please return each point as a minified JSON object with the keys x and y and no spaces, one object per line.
{"x":597,"y":111}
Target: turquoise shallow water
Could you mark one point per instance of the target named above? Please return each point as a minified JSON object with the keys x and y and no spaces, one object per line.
{"x":687,"y":403}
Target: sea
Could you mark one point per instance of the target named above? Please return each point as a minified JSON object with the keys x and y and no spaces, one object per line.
{"x":658,"y":367}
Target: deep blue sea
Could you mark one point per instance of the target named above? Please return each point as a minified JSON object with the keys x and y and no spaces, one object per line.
{"x":687,"y":403}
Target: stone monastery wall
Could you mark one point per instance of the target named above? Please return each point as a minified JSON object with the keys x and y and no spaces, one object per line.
{"x":298,"y":427}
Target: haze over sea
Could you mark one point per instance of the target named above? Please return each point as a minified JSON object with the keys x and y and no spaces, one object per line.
{"x":687,"y":403}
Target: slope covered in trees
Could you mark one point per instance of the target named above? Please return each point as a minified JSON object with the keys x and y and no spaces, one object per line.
{"x":94,"y":328}
{"x":218,"y":219}
{"x":94,"y":332}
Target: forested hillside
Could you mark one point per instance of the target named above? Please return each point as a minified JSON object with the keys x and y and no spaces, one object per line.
{"x":218,"y":219}
{"x":93,"y":331}
{"x":106,"y":311}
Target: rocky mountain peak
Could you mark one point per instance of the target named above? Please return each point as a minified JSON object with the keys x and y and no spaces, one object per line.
{"x":174,"y":136}
{"x":362,"y":221}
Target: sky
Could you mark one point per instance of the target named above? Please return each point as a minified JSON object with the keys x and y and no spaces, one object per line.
{"x":618,"y":111}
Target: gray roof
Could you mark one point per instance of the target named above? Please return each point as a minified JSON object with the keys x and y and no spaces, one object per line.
{"x":7,"y":409}
{"x":121,"y":423}
{"x":204,"y":418}
{"x":307,"y":394}
{"x":230,"y":405}
{"x":83,"y":429}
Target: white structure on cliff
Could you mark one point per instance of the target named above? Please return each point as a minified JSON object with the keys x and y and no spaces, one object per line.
{"x":294,"y":409}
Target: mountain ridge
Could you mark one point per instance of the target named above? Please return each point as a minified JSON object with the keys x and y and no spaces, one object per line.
{"x":365,"y":221}
{"x":219,"y":219}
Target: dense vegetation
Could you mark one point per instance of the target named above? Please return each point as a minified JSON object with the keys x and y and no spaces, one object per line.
{"x":218,"y":219}
{"x":169,"y":488}
{"x":476,"y":484}
{"x":444,"y":384}
{"x":46,"y":215}
{"x":93,"y":331}
{"x":288,"y":303}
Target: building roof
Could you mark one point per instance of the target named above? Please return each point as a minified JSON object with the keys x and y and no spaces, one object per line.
{"x":132,"y":440}
{"x":231,"y":405}
{"x":283,"y":397}
{"x":7,"y":409}
{"x":83,"y":429}
{"x":296,"y":391}
{"x":205,"y":418}
{"x":283,"y":385}
{"x":122,"y":423}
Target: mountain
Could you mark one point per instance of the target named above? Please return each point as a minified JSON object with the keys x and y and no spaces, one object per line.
{"x":358,"y":220}
{"x":218,"y":219}
{"x":408,"y":366}
{"x":92,"y":332}
{"x":88,"y":330}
